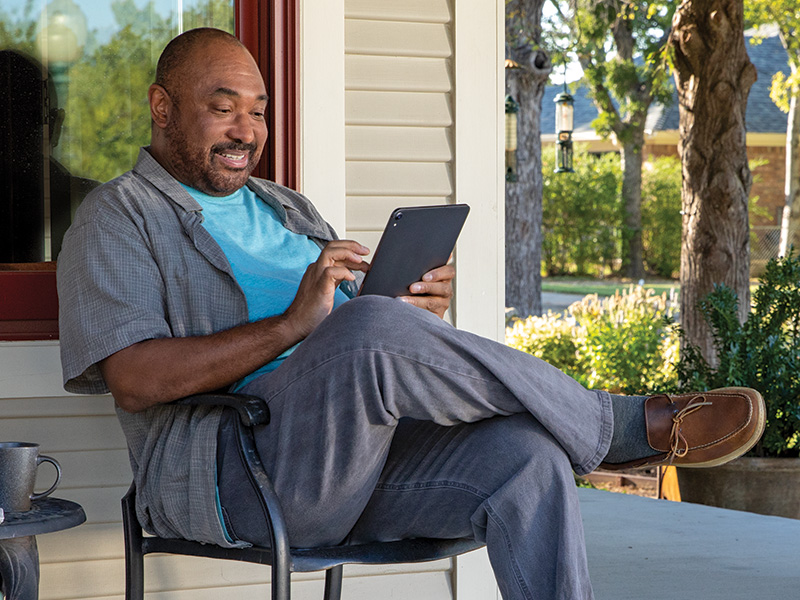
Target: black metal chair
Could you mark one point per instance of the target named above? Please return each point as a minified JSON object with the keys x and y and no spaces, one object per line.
{"x":283,"y":559}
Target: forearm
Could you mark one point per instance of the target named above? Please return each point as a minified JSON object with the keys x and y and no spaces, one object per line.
{"x":162,"y":370}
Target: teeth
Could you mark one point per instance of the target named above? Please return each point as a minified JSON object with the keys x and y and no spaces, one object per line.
{"x":232,"y":156}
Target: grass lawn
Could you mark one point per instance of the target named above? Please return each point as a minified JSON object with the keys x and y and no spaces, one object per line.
{"x":601,"y":287}
{"x":607,"y":287}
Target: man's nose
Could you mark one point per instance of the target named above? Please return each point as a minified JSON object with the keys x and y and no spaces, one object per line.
{"x":243,"y":128}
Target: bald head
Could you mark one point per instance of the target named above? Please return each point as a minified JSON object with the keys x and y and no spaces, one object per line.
{"x":176,"y":59}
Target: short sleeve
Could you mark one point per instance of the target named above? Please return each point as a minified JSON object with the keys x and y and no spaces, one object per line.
{"x":110,"y":291}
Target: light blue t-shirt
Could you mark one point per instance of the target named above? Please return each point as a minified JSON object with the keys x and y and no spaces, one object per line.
{"x":268,"y":260}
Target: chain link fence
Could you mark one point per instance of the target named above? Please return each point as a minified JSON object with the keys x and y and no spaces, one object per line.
{"x":764,"y":245}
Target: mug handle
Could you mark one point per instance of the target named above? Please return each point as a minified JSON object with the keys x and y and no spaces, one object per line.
{"x":39,"y":460}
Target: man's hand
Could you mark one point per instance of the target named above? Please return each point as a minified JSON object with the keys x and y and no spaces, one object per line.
{"x":314,"y":299}
{"x":434,"y":292}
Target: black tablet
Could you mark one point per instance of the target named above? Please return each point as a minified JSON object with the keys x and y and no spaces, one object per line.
{"x":416,"y":239}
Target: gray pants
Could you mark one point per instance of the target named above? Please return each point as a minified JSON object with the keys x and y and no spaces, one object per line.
{"x":388,"y":423}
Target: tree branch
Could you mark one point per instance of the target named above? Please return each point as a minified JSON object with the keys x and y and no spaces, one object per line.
{"x":600,"y":92}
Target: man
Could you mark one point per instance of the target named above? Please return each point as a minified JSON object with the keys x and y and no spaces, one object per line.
{"x":186,"y":275}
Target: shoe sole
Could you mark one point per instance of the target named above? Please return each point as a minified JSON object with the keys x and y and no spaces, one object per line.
{"x":757,"y":433}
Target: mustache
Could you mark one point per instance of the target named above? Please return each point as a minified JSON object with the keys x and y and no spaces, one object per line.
{"x":251,"y":148}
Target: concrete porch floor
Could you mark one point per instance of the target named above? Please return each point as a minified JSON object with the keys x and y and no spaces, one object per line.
{"x":647,"y":549}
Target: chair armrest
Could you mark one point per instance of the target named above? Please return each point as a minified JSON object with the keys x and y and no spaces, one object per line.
{"x":252,"y":409}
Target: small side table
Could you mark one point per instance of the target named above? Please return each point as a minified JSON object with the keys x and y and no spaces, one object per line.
{"x":19,"y":555}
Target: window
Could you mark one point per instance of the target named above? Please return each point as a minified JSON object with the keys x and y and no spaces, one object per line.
{"x":73,"y":114}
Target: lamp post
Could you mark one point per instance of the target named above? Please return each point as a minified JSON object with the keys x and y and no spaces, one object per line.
{"x":60,"y":40}
{"x":564,"y":119}
{"x":512,"y":108}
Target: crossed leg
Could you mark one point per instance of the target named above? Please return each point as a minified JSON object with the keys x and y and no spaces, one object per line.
{"x":335,"y":441}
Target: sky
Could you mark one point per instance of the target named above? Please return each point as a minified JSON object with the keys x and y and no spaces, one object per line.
{"x":98,"y":12}
{"x":574,"y":71}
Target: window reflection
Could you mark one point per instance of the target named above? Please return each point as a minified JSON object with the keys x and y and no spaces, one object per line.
{"x":73,"y":104}
{"x":38,"y":189}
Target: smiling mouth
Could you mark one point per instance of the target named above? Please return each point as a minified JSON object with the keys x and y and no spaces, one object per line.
{"x":233,"y":159}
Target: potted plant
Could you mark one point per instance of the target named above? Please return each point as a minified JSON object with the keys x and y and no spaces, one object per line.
{"x":762,"y":353}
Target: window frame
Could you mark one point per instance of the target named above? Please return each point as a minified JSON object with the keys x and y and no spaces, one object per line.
{"x":270,"y":30}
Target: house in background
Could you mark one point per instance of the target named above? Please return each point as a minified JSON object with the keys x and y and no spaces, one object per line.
{"x":766,"y":136}
{"x":374,"y":104}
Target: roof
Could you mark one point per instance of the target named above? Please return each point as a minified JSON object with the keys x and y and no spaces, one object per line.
{"x":762,"y":114}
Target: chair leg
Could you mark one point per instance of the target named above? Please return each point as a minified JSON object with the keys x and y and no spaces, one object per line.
{"x":281,"y":580}
{"x":134,"y":557}
{"x":333,"y":583}
{"x":134,"y":575}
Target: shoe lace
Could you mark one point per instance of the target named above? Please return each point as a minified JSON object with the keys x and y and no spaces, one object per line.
{"x":679,"y":446}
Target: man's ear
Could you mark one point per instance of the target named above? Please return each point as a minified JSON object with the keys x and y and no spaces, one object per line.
{"x":160,"y":105}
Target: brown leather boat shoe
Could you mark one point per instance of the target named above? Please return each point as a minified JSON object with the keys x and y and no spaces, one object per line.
{"x":701,"y":429}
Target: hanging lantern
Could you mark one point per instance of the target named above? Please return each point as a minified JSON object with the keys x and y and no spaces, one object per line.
{"x":512,"y":108}
{"x":564,"y":116}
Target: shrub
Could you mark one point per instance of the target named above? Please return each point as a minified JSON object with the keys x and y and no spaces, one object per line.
{"x":581,"y":215}
{"x":661,"y":216}
{"x":624,"y":344}
{"x":629,"y":341}
{"x":550,"y":338}
{"x":763,"y":353}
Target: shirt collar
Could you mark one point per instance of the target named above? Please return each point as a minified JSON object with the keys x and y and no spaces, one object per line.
{"x":149,"y":168}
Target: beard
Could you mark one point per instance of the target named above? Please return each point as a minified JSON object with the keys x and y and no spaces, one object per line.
{"x":195,"y":167}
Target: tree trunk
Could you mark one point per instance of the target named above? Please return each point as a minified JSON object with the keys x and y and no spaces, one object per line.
{"x":713,"y":75}
{"x":628,"y":126}
{"x":633,"y":263}
{"x":790,"y":224}
{"x":631,"y":135}
{"x":526,"y":83}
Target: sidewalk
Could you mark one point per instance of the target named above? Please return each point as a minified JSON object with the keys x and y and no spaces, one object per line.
{"x":647,"y":549}
{"x":557,"y":302}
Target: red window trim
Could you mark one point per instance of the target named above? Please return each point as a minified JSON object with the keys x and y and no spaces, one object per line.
{"x":28,"y":300}
{"x":270,"y":30}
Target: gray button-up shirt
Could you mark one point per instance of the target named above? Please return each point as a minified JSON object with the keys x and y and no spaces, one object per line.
{"x":137,"y":264}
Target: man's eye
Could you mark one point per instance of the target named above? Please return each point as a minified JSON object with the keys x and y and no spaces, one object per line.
{"x":258,"y":115}
{"x":222,"y":109}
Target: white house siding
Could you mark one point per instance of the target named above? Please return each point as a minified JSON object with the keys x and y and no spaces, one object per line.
{"x":405,"y":82}
{"x":382,"y":83}
{"x":398,"y":109}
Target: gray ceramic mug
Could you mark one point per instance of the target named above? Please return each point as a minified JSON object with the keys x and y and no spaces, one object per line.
{"x":18,"y":465}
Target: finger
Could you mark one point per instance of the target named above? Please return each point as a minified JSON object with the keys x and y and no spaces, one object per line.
{"x":337,"y":274}
{"x":443,"y":273}
{"x":342,"y":256}
{"x":351,"y":245}
{"x":363,"y":266}
{"x":442,"y":289}
{"x":433,"y":304}
{"x":340,"y":252}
